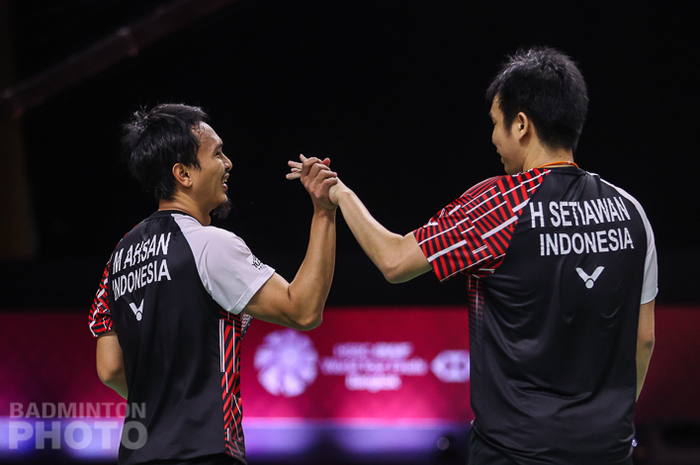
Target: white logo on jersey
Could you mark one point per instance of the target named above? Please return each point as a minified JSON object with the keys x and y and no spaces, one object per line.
{"x":287,"y":363}
{"x":451,"y":366}
{"x":138,"y":311}
{"x":590,"y":280}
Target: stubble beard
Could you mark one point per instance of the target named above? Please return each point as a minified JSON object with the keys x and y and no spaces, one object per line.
{"x":222,"y":210}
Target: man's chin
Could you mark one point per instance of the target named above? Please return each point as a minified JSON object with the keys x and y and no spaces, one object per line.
{"x":222,"y":210}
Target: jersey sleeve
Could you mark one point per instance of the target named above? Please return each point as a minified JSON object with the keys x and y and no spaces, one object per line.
{"x":650,"y":287}
{"x":100,"y":315}
{"x":471,"y":234}
{"x":229,"y":270}
{"x":650,"y":284}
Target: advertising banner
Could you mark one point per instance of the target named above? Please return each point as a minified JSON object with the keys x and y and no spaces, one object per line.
{"x":383,"y":365}
{"x":368,"y":381}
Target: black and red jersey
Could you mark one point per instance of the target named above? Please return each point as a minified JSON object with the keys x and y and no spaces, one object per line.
{"x":558,"y":262}
{"x":173,"y":291}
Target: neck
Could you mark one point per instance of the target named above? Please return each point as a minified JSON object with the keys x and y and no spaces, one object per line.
{"x":187,"y":205}
{"x":548,"y":157}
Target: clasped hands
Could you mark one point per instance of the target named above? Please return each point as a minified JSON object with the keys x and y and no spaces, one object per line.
{"x":318,"y":179}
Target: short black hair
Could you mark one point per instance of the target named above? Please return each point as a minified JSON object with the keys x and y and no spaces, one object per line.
{"x":548,"y":87}
{"x":153,"y":141}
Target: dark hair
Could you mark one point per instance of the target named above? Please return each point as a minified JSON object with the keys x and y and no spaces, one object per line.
{"x":548,"y":87}
{"x":154,"y":141}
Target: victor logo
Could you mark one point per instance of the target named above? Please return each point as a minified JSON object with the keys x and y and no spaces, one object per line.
{"x":138,"y":311}
{"x":590,"y":280}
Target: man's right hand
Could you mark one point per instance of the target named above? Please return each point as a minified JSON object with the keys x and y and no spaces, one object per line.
{"x":299,"y":304}
{"x":399,"y":258}
{"x":317,"y":178}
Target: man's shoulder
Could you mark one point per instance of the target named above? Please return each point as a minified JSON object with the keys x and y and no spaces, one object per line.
{"x":506,"y":182}
{"x":614,"y":188}
{"x":482,"y":186}
{"x":208,"y":236}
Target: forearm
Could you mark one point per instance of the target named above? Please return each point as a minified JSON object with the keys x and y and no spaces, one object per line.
{"x":398,"y":257}
{"x":110,"y":363}
{"x":118,"y":384}
{"x":310,"y":287}
{"x":643,"y":359}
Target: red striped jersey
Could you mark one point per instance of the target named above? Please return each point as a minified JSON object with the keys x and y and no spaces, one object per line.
{"x":174,"y":292}
{"x":558,"y":262}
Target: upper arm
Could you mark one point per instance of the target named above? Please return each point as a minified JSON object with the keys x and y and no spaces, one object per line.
{"x":645,"y":333}
{"x":411,"y":261}
{"x":467,"y":235}
{"x":109,"y":357}
{"x":100,"y":314}
{"x":274,"y":303}
{"x":229,"y":271}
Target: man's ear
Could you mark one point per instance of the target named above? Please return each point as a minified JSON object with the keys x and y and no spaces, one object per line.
{"x":522,"y":125}
{"x":181,"y":173}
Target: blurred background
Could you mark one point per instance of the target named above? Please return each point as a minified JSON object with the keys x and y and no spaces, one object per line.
{"x":393,"y":93}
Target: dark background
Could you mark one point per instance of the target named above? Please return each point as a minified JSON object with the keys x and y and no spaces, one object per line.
{"x":391,"y":91}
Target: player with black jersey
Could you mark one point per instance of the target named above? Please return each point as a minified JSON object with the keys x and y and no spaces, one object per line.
{"x":177,"y":295}
{"x":561,"y":279}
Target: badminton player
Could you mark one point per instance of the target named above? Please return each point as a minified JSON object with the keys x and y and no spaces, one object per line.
{"x":561,"y":278}
{"x":178,"y":294}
